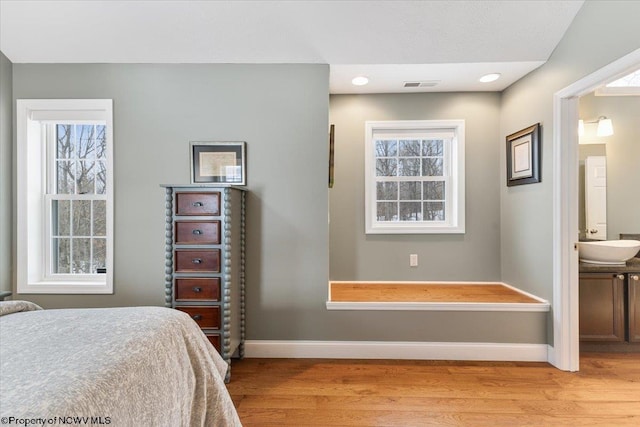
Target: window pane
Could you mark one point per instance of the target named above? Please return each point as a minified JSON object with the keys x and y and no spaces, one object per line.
{"x":410,"y":190}
{"x":101,"y":142}
{"x":410,"y":211}
{"x":432,"y":167}
{"x":434,"y":211}
{"x":65,"y":140}
{"x":81,"y":256}
{"x":386,"y":148}
{"x":81,"y":217}
{"x":387,"y":191}
{"x":433,"y":147}
{"x":86,"y":141}
{"x":409,"y":167}
{"x":409,"y":148}
{"x":387,"y":211}
{"x":433,"y":190}
{"x":99,"y":217}
{"x":99,"y":254}
{"x":85,"y":177}
{"x":60,"y":217}
{"x":386,"y":167}
{"x":60,"y":263}
{"x":65,"y":176}
{"x":101,"y":178}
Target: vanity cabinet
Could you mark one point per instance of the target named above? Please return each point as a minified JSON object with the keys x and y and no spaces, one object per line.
{"x":610,"y":307}
{"x":633,"y":286}
{"x":205,"y":260}
{"x":602,"y":310}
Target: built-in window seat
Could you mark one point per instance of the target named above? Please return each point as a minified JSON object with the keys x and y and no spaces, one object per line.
{"x":431,"y":296}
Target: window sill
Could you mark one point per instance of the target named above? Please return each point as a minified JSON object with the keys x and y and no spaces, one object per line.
{"x":66,"y":287}
{"x":399,"y":229}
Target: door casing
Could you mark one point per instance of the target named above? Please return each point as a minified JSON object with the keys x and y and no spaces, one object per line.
{"x":565,"y":352}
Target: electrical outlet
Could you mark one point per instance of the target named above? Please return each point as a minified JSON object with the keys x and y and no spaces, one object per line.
{"x":413,"y":260}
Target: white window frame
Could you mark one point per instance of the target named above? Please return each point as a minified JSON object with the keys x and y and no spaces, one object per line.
{"x":33,"y":212}
{"x":454,"y":167}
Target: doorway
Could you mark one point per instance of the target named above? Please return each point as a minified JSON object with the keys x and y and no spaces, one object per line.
{"x":565,"y":352}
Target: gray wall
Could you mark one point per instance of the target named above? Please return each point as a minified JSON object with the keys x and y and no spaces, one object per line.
{"x":623,"y":161}
{"x":600,"y":33}
{"x":6,"y":120}
{"x":471,"y":256}
{"x":282,"y":113}
{"x":474,"y":255}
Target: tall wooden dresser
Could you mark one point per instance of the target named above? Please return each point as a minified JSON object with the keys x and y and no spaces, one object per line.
{"x":205,"y":260}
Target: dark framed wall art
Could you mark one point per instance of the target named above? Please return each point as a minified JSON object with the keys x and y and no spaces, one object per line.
{"x":331,"y":154}
{"x":523,"y":156}
{"x":218,"y":163}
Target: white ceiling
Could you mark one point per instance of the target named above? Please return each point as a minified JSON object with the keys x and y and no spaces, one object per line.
{"x":453,"y":42}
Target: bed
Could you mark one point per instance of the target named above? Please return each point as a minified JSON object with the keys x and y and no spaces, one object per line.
{"x":117,"y":366}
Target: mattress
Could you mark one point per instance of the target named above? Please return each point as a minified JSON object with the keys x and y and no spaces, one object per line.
{"x":120,"y":366}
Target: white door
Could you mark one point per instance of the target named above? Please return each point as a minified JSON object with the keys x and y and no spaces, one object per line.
{"x":595,"y":176}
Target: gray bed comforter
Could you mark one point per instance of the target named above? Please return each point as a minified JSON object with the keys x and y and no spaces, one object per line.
{"x":137,"y":366}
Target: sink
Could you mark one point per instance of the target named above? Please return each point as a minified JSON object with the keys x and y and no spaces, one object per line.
{"x":608,"y":252}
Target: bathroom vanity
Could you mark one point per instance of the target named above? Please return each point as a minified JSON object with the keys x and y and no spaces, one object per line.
{"x":610,"y":305}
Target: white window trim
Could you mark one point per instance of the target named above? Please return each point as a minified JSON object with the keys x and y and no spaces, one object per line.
{"x":31,"y":181}
{"x":455,"y":221}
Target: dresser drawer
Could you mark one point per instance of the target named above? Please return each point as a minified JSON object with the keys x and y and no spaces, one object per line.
{"x":197,"y":203}
{"x":205,"y":317}
{"x":195,"y":232}
{"x":214,"y":339}
{"x":198,"y":289}
{"x":197,"y":260}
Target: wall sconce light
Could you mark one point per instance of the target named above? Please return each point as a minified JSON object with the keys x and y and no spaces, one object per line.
{"x":605,"y":126}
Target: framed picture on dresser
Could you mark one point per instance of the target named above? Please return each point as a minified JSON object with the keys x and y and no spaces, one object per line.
{"x":218,"y":162}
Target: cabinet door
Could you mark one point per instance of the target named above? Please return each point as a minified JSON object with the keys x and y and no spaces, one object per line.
{"x":601,"y":307}
{"x":634,"y":307}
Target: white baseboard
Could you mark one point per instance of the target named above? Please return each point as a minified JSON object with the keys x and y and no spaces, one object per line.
{"x":396,"y":350}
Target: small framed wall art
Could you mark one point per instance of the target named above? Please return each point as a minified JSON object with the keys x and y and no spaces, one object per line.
{"x":218,"y":163}
{"x":523,"y":156}
{"x":331,"y":154}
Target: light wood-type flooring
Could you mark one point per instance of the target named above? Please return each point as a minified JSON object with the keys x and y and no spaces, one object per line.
{"x":427,"y":292}
{"x":315,"y":392}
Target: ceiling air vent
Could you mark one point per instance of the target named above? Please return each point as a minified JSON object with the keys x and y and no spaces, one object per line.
{"x":427,"y":83}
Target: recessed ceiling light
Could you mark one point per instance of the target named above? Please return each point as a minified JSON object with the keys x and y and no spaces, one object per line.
{"x":490,"y":77}
{"x":360,"y":81}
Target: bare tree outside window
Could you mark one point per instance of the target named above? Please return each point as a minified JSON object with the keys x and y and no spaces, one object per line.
{"x":400,"y":198}
{"x":78,"y":206}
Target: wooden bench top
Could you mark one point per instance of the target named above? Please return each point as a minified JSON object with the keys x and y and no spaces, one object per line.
{"x":394,"y":292}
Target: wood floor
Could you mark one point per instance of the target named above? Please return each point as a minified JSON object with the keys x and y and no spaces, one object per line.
{"x":313,"y":392}
{"x":432,"y":292}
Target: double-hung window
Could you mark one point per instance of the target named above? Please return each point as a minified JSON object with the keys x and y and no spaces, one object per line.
{"x":65,"y":196}
{"x":414,"y":177}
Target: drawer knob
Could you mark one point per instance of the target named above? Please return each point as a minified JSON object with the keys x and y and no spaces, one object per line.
{"x":197,"y":260}
{"x":620,"y":276}
{"x":197,"y":232}
{"x":635,"y":277}
{"x":198,"y":204}
{"x":197,"y":317}
{"x":197,"y":289}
